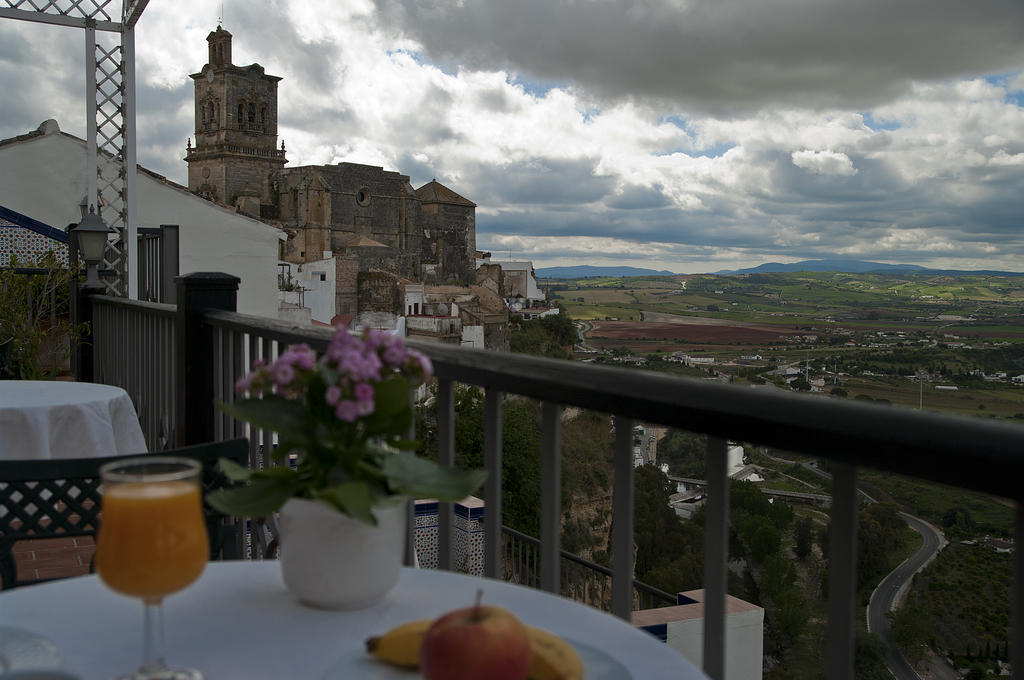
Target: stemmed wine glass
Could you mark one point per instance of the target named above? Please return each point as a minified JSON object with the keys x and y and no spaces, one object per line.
{"x":152,"y":542}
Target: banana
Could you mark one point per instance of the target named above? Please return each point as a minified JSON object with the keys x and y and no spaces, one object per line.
{"x":400,"y":646}
{"x":552,"y":657}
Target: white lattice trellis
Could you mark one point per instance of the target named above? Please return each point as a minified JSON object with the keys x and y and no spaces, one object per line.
{"x":110,"y":76}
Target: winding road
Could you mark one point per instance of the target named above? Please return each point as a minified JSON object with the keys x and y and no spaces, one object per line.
{"x":888,"y":594}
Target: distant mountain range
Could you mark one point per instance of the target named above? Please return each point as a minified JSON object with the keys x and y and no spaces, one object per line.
{"x":845,"y":266}
{"x":834,"y":265}
{"x":585,"y":270}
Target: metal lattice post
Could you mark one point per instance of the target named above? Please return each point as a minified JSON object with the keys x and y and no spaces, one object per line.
{"x":110,"y":111}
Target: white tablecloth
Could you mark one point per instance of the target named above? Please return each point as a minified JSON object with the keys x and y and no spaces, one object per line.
{"x":59,"y":419}
{"x":238,"y":621}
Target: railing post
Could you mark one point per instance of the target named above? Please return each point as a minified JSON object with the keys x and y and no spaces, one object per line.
{"x":842,"y":573}
{"x":623,"y":494}
{"x":168,"y":261}
{"x":83,"y":358}
{"x":551,"y":497}
{"x":1016,"y":651}
{"x":492,"y":487}
{"x":198,"y":293}
{"x":716,"y":553}
{"x":446,"y":457}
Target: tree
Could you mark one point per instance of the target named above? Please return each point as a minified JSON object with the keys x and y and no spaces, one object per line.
{"x":520,"y":445}
{"x":669,"y":550}
{"x":803,"y":535}
{"x":800,"y":385}
{"x":26,"y":305}
{"x":911,"y":630}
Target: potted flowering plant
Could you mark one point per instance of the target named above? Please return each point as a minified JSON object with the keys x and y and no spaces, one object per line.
{"x":348,"y":414}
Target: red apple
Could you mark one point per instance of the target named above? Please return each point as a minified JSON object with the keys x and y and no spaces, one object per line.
{"x":476,"y":643}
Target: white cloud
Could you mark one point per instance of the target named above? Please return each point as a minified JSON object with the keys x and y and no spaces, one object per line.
{"x":824,"y":162}
{"x":825,"y":149}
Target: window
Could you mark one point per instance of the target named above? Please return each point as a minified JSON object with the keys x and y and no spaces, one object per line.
{"x":263,"y":115}
{"x":252,"y":114}
{"x":241,"y":113}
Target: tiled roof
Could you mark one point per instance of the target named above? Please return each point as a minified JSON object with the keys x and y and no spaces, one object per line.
{"x":435,"y":192}
{"x":11,"y":218}
{"x":364,"y":242}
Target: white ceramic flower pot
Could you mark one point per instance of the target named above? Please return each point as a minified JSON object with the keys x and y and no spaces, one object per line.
{"x":331,"y":561}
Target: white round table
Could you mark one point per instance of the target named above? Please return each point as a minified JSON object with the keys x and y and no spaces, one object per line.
{"x":59,"y":419}
{"x":238,"y":621}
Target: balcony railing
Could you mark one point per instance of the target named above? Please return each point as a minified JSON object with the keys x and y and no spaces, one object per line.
{"x":580,"y":580}
{"x":214,"y":346}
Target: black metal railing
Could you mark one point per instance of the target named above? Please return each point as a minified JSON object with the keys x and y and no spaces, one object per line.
{"x":158,"y":262}
{"x":580,"y":579}
{"x":215,"y":346}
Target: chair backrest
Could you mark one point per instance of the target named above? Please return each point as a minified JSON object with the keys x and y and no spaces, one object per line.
{"x":7,"y":367}
{"x":60,"y":497}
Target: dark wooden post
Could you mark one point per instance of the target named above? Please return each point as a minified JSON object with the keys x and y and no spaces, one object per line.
{"x":198,"y":293}
{"x":168,"y":261}
{"x":83,"y":357}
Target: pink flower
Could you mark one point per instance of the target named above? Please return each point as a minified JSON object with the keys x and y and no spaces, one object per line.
{"x":364,"y":408}
{"x":364,"y":392}
{"x":419,"y":365}
{"x":394,"y":355}
{"x":347,"y":411}
{"x":282,"y":373}
{"x":244,"y":383}
{"x":333,"y":395}
{"x":302,"y":356}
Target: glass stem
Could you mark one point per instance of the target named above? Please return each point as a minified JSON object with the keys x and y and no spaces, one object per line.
{"x":153,"y":637}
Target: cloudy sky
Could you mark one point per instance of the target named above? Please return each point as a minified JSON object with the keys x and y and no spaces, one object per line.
{"x":688,"y":135}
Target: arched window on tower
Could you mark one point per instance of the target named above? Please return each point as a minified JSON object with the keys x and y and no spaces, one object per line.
{"x":263,"y":116}
{"x":213,"y":115}
{"x":241,"y":115}
{"x":252,"y":114}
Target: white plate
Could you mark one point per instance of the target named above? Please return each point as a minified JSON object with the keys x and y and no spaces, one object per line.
{"x":360,"y":664}
{"x":21,"y":650}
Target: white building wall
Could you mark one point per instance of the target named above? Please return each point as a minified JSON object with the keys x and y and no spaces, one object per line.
{"x":532,"y":291}
{"x":45,"y":178}
{"x":744,"y":643}
{"x":473,"y":337}
{"x":414,"y":299}
{"x":317,"y":295}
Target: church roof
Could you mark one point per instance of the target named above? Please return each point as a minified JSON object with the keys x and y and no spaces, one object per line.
{"x":363,"y":242}
{"x":435,"y":192}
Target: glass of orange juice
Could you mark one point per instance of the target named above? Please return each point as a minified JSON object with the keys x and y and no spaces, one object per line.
{"x":152,"y":542}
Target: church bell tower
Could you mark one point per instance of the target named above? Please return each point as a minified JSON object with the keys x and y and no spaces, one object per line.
{"x":236,"y":131}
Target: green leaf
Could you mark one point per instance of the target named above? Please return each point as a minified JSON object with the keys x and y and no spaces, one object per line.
{"x":234,"y":471}
{"x":281,"y":473}
{"x":259,"y":498}
{"x":350,"y":498}
{"x":420,"y":478}
{"x":271,"y":412}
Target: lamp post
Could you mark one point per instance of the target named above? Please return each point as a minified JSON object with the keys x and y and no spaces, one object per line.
{"x":91,"y":234}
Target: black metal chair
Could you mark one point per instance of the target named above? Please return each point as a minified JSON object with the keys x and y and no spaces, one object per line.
{"x":7,"y":368}
{"x":60,"y":498}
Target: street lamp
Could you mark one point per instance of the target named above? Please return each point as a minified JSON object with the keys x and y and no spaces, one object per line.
{"x":91,"y":233}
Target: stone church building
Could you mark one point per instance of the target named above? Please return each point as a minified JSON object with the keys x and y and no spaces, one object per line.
{"x":381,"y":234}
